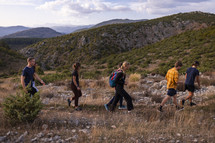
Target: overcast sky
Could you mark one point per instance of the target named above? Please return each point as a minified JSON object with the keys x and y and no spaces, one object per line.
{"x":83,"y":12}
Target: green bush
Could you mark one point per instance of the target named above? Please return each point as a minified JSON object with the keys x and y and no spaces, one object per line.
{"x":22,"y":108}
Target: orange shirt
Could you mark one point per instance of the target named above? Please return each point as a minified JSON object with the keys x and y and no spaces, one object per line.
{"x":172,"y":78}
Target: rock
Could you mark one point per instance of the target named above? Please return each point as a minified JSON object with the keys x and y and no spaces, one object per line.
{"x":84,"y":131}
{"x":40,"y":135}
{"x":113,"y":126}
{"x":74,"y":130}
{"x":22,"y":137}
{"x":56,"y":138}
{"x":178,"y":141}
{"x":3,"y":138}
{"x":178,"y":134}
{"x":44,"y":126}
{"x":68,"y":139}
{"x":8,"y":133}
{"x":50,"y":134}
{"x":34,"y":139}
{"x":195,"y":140}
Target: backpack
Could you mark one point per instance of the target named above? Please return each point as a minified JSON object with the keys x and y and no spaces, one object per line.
{"x":112,"y":78}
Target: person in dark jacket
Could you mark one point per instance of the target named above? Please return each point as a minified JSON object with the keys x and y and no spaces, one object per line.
{"x":75,"y":86}
{"x":120,"y":91}
{"x":192,"y":74}
{"x":121,"y":106}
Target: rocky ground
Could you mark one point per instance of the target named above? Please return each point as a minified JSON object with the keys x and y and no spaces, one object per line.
{"x":59,"y":123}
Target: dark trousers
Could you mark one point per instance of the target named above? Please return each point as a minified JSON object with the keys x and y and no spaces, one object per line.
{"x":120,"y":101}
{"x":77,"y":94}
{"x":120,"y":92}
{"x":32,"y":91}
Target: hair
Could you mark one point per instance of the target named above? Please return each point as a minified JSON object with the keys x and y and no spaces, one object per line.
{"x":76,"y":66}
{"x":196,"y":63}
{"x":30,"y":59}
{"x":178,"y":64}
{"x":125,"y":64}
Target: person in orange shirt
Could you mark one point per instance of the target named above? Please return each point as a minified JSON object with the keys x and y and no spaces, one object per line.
{"x":172,"y":80}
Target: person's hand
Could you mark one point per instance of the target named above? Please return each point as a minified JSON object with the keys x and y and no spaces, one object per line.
{"x":78,"y":88}
{"x":42,"y":82}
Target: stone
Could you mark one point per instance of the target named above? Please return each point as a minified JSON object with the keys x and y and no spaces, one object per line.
{"x":56,"y":138}
{"x":34,"y":139}
{"x":113,"y":126}
{"x":68,"y":139}
{"x":40,"y":135}
{"x":22,"y":137}
{"x":3,"y":138}
{"x":44,"y":126}
{"x":84,"y":131}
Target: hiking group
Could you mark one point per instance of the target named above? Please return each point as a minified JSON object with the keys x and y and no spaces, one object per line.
{"x":117,"y":81}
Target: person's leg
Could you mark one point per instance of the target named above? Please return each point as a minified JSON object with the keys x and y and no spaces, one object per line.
{"x":111,"y":101}
{"x":120,"y":101}
{"x":127,"y":97}
{"x":165,"y":100}
{"x":115,"y":101}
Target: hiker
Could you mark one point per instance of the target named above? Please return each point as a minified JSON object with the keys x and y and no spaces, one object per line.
{"x":121,"y":106}
{"x":172,"y":80}
{"x":75,"y":86}
{"x":120,"y":91}
{"x":192,"y":73}
{"x":28,"y":77}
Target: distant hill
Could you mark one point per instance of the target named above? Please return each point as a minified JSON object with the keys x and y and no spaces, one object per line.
{"x":117,"y":21}
{"x":69,"y":29}
{"x":12,"y":29}
{"x":94,"y":45}
{"x":41,"y":32}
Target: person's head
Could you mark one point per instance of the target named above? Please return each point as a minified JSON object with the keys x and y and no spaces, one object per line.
{"x":178,"y":65}
{"x":125,"y":66}
{"x":196,"y":64}
{"x":31,"y":61}
{"x":76,"y":66}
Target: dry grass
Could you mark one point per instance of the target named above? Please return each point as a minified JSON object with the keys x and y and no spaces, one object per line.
{"x":134,"y":77}
{"x":144,"y":124}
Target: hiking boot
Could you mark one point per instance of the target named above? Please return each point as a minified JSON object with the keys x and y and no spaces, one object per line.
{"x":182,"y":102}
{"x":192,"y":104}
{"x":106,"y":107}
{"x":69,"y":102}
{"x":78,"y":108}
{"x":178,"y":108}
{"x":122,"y":107}
{"x":160,"y":109}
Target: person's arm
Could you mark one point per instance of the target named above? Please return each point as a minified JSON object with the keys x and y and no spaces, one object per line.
{"x":75,"y":83}
{"x":176,"y":77}
{"x":118,"y":77}
{"x":23,"y":84}
{"x":38,"y":78}
{"x":185,"y":76}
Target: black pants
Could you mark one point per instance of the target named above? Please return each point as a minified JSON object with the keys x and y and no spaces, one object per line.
{"x":77,"y":94}
{"x":120,"y":92}
{"x":32,"y":91}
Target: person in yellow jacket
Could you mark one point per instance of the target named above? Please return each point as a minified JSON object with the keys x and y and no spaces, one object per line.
{"x":172,"y":80}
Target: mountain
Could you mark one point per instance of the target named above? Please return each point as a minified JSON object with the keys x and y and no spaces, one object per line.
{"x":41,"y":32}
{"x":69,"y":29}
{"x":117,"y":21}
{"x":12,"y":29}
{"x":93,"y":45}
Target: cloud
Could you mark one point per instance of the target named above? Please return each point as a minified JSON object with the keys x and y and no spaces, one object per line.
{"x":82,"y":7}
{"x":18,"y":2}
{"x":164,"y":7}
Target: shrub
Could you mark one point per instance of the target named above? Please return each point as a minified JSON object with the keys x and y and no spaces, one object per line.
{"x":134,"y":77}
{"x":22,"y":108}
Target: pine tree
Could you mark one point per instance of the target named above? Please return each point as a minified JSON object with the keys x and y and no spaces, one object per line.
{"x":22,"y":108}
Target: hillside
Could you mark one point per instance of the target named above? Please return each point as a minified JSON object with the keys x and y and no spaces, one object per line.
{"x":94,"y":44}
{"x":12,"y":29}
{"x":41,"y":32}
{"x":11,"y":62}
{"x":20,"y":43}
{"x":116,"y":21}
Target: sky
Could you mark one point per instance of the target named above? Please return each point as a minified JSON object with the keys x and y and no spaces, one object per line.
{"x":34,"y":13}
